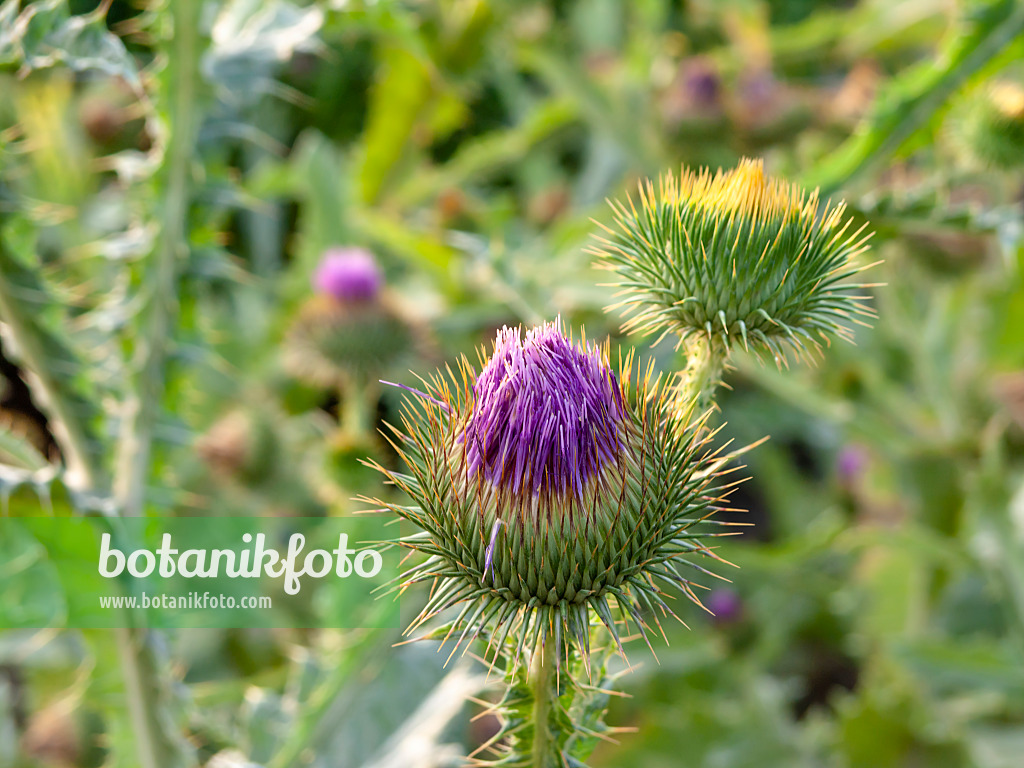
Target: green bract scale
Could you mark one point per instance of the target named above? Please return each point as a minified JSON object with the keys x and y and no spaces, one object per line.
{"x":545,"y":487}
{"x":736,"y":257}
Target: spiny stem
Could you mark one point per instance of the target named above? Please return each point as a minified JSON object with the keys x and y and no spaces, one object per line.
{"x":159,"y":278}
{"x":159,"y":745}
{"x":705,"y":361}
{"x":543,"y":684}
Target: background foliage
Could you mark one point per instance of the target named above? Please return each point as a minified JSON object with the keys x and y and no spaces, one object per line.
{"x":170,"y":175}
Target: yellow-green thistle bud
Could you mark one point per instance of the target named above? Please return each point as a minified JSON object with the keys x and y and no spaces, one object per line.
{"x":989,"y":127}
{"x":546,"y":489}
{"x":736,"y":257}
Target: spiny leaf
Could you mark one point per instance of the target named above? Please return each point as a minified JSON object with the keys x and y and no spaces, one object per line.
{"x":992,"y":34}
{"x":46,"y":35}
{"x":55,"y":369}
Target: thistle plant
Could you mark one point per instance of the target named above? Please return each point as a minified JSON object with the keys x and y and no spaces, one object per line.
{"x":735,"y":258}
{"x":559,"y":502}
{"x":554,"y":506}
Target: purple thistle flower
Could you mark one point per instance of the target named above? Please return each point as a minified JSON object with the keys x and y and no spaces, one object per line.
{"x":851,"y":462}
{"x":703,"y":84}
{"x":348,"y":274}
{"x":725,"y":604}
{"x":545,"y":497}
{"x":546,"y":414}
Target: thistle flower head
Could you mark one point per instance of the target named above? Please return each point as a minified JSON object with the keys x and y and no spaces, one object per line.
{"x":726,"y":605}
{"x":348,"y":274}
{"x":544,"y":491}
{"x":350,"y":328}
{"x":737,"y":257}
{"x":989,"y":127}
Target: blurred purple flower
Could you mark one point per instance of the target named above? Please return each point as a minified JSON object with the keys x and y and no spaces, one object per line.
{"x":725,"y":604}
{"x":546,"y":414}
{"x":348,"y":274}
{"x":851,"y":462}
{"x":702,"y":82}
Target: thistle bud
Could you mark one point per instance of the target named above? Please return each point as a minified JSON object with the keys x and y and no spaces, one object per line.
{"x":545,"y":489}
{"x":349,"y":329}
{"x":990,"y":127}
{"x":692,"y":106}
{"x":736,"y":257}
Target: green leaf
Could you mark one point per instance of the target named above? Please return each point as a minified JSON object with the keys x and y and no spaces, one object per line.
{"x":949,"y":667}
{"x":250,"y":39}
{"x":398,"y":101}
{"x":489,"y":153}
{"x":33,"y":594}
{"x":996,"y":746}
{"x":416,"y":247}
{"x":17,"y":450}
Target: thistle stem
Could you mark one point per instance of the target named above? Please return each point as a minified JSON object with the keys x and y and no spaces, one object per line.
{"x":159,"y":277}
{"x":705,"y":361}
{"x":159,"y":746}
{"x":149,"y":696}
{"x":543,"y":685}
{"x":354,"y":408}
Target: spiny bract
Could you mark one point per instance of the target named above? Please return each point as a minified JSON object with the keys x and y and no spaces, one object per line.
{"x":543,"y":488}
{"x":736,"y":257}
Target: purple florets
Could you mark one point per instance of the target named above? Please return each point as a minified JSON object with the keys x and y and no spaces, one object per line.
{"x":348,"y":274}
{"x":546,"y":413}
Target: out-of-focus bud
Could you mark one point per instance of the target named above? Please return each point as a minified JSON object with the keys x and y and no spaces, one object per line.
{"x":726,"y":605}
{"x":692,"y":106}
{"x":988,"y":128}
{"x":348,"y":274}
{"x":350,"y":329}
